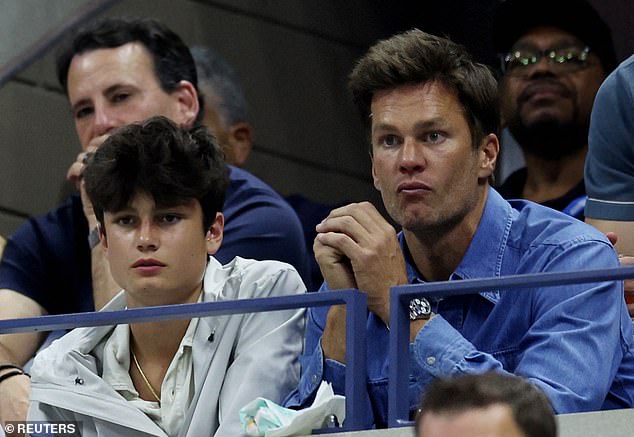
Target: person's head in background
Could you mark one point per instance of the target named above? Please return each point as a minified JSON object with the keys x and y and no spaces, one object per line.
{"x":485,"y":405}
{"x":225,"y":105}
{"x":157,"y":190}
{"x":554,"y":56}
{"x":118,"y":71}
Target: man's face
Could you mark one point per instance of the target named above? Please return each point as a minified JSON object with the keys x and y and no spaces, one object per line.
{"x":541,"y":101}
{"x":214,"y":122}
{"x":235,"y":139}
{"x":112,"y":87}
{"x":492,"y":421}
{"x":424,"y":165}
{"x":159,"y":254}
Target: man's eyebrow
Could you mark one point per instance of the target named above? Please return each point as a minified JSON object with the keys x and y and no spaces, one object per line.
{"x":432,"y":123}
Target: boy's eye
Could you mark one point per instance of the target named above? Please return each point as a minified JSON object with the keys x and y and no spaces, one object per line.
{"x":125,"y":220}
{"x":169,"y":218}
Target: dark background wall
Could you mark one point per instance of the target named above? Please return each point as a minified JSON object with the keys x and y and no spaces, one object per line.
{"x":293,"y":57}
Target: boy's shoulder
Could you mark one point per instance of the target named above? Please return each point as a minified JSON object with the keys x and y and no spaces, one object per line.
{"x":247,"y":278}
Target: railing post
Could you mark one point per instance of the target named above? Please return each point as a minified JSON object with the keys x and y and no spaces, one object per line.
{"x":398,"y":359}
{"x":356,"y":375}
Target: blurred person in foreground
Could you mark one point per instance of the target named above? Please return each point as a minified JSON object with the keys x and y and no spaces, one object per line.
{"x":486,"y":405}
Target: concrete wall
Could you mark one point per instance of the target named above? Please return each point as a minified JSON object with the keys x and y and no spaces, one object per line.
{"x":293,"y":59}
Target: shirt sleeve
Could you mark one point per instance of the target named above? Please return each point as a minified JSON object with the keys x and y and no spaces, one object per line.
{"x":266,"y":354}
{"x":48,"y":260}
{"x":609,"y":168}
{"x":572,"y":349}
{"x":315,"y":368}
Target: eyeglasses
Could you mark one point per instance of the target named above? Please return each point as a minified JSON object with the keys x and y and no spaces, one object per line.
{"x":562,"y":60}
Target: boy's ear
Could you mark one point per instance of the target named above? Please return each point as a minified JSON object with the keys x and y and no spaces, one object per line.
{"x":102,"y":236}
{"x":215,"y":233}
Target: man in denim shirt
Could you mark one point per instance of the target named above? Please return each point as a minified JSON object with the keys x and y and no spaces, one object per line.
{"x":433,"y":122}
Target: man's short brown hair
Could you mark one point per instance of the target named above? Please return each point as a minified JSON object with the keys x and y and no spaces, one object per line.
{"x":530,"y":407}
{"x":416,"y":57}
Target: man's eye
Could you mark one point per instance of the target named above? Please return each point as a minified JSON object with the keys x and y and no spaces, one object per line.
{"x":390,"y":140}
{"x":120,"y":97}
{"x":434,"y":137}
{"x":82,"y":112}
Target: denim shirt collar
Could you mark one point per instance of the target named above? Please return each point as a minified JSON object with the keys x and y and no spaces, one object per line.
{"x":483,"y":258}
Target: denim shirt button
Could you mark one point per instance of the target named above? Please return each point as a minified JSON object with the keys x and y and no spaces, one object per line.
{"x":314,"y":379}
{"x":431,"y":360}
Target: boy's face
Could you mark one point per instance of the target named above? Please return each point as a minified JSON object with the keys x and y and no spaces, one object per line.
{"x":159,"y":254}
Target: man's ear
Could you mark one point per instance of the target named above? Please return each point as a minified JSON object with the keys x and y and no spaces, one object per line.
{"x":241,"y":138}
{"x":215,"y":233}
{"x":488,"y":154}
{"x":187,"y":100}
{"x":375,"y":179}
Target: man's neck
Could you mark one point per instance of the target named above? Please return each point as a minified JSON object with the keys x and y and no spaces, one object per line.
{"x":547,"y":179}
{"x":437,"y":254}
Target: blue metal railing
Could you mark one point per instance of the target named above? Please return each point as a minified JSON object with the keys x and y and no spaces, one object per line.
{"x":356,"y":309}
{"x":356,"y":303}
{"x":398,"y":406}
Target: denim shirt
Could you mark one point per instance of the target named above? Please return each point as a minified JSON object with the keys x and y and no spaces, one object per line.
{"x":573,"y":341}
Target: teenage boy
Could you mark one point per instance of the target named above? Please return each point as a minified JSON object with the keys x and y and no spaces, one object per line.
{"x":157,"y":191}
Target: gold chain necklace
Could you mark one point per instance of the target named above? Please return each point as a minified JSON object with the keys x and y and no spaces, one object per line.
{"x":136,"y":362}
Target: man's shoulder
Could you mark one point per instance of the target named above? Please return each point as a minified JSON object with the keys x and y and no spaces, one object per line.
{"x":63,"y":219}
{"x":535,"y":224}
{"x":242,"y":182}
{"x":247,"y":195}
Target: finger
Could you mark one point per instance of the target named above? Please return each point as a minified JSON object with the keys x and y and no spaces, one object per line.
{"x":364,"y":213}
{"x":349,"y":226}
{"x":74,"y":172}
{"x":341,"y":243}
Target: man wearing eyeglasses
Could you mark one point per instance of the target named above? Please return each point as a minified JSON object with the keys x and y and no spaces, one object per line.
{"x":554,"y":56}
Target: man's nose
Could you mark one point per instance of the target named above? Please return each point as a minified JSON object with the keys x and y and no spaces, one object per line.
{"x":543,"y":67}
{"x":412,"y":157}
{"x":105,"y":121}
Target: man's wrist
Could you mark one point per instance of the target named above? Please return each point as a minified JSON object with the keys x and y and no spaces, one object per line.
{"x":8,"y":370}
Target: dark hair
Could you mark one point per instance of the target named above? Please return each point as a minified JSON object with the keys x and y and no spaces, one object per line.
{"x":215,"y":72}
{"x":172,"y":59}
{"x":156,"y":157}
{"x":514,"y":18}
{"x":531,"y":408}
{"x":415,"y":57}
